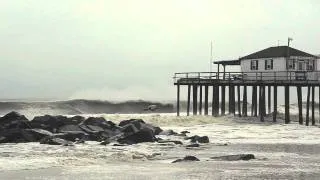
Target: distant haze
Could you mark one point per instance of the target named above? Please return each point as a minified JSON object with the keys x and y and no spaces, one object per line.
{"x":130,"y":49}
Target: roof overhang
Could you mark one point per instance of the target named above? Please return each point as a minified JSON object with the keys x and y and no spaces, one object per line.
{"x":228,"y":62}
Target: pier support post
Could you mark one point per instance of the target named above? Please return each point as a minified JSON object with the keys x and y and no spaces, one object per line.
{"x":275,"y":103}
{"x":299,"y":94}
{"x":308,"y":104}
{"x":261,"y":103}
{"x":244,"y":102}
{"x":217,"y":100}
{"x":269,"y":99}
{"x":178,"y":100}
{"x":213,"y":106}
{"x":239,"y":101}
{"x":188,"y":101}
{"x":263,"y":100}
{"x":195,"y":99}
{"x":287,"y":105}
{"x":312,"y":107}
{"x":223,"y":100}
{"x":254,"y":107}
{"x":231,"y":100}
{"x":206,"y":93}
{"x":200,"y":100}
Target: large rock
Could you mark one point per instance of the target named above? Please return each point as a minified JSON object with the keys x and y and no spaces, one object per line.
{"x":136,"y":131}
{"x":199,"y":139}
{"x":14,"y":120}
{"x":39,"y":133}
{"x":47,"y":122}
{"x":16,"y":135}
{"x":100,"y":122}
{"x":187,"y":159}
{"x":237,"y":157}
{"x":139,"y":124}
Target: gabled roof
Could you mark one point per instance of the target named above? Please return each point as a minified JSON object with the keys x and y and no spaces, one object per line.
{"x":278,"y":51}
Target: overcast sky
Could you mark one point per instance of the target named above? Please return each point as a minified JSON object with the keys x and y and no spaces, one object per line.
{"x":124,"y":49}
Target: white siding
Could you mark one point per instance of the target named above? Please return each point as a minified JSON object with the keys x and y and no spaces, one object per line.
{"x":279,"y":64}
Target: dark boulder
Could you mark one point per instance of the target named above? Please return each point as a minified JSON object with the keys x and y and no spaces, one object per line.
{"x":14,"y":120}
{"x":199,"y":139}
{"x":187,"y":159}
{"x":49,"y":123}
{"x":39,"y":133}
{"x":142,"y":135}
{"x":99,"y":122}
{"x":55,"y":141}
{"x":139,"y":124}
{"x":69,"y":128}
{"x":16,"y":136}
{"x":237,"y":157}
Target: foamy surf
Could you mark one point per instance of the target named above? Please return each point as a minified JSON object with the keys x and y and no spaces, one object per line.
{"x":282,"y":150}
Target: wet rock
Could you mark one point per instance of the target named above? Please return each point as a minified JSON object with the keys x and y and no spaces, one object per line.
{"x":187,"y":159}
{"x":170,"y":141}
{"x":55,"y":141}
{"x":139,"y":124}
{"x":142,"y":135}
{"x":14,"y":120}
{"x":193,"y":145}
{"x":69,"y":128}
{"x":39,"y":133}
{"x":49,"y":123}
{"x":99,"y":122}
{"x":199,"y":139}
{"x":16,"y":136}
{"x":237,"y":157}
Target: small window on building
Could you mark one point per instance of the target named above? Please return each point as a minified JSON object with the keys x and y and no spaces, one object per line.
{"x":254,"y":64}
{"x":310,"y":65}
{"x":291,"y":64}
{"x":268,"y":64}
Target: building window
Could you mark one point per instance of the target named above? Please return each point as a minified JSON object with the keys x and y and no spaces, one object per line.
{"x":310,"y":65}
{"x":291,"y":64}
{"x":268,"y":64}
{"x":254,"y":64}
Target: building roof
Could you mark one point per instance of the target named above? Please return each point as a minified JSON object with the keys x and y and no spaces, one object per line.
{"x":228,"y":62}
{"x":278,"y":51}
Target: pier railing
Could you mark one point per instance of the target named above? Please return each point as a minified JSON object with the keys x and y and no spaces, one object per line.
{"x":279,"y":76}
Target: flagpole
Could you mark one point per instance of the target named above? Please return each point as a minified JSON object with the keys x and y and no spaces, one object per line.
{"x":210,"y":59}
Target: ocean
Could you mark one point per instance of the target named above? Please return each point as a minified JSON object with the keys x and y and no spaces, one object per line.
{"x":282,"y":151}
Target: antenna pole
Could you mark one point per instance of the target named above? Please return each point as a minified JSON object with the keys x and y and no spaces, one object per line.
{"x":210,"y":58}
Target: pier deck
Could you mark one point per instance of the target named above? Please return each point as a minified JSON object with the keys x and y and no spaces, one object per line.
{"x":258,"y":81}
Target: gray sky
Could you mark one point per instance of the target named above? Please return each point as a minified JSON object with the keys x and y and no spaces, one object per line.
{"x":126,"y":49}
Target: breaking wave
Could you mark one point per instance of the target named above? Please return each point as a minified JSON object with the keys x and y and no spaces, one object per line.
{"x":75,"y":107}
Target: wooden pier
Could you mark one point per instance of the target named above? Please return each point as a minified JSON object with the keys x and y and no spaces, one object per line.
{"x":261,"y":85}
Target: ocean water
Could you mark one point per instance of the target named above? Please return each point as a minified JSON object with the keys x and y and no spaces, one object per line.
{"x":282,"y":151}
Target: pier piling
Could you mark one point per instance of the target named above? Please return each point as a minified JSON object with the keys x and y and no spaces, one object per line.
{"x":239,"y":101}
{"x":178,"y":100}
{"x":223,"y":100}
{"x":244,"y":102}
{"x":194,"y":99}
{"x":200,"y":100}
{"x":299,"y":94}
{"x":206,"y":103}
{"x":308,"y":103}
{"x":188,"y":102}
{"x":287,"y":105}
{"x":312,"y":107}
{"x":275,"y":101}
